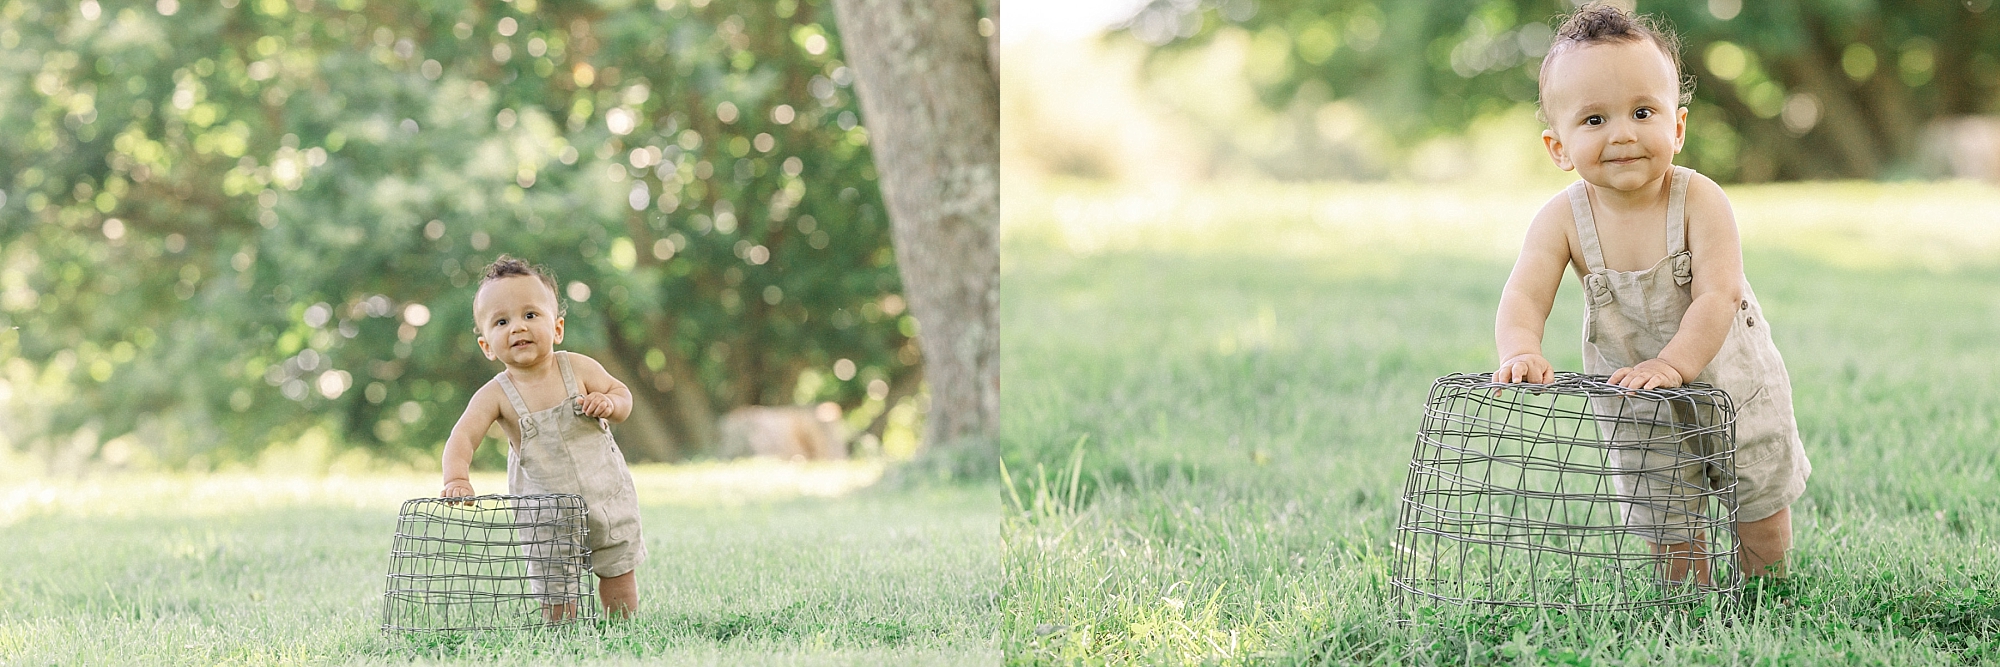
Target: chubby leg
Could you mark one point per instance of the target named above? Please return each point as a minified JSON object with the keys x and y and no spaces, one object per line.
{"x":556,"y":583}
{"x":1765,"y":542}
{"x":620,"y":593}
{"x":557,"y":613}
{"x":1684,"y":559}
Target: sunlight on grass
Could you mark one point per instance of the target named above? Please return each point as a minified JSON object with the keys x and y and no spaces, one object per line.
{"x":753,"y":562}
{"x":751,"y":480}
{"x":1847,"y":224}
{"x":214,"y":494}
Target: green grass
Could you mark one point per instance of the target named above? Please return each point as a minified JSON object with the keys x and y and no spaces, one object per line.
{"x":1246,"y":369}
{"x":752,"y":563}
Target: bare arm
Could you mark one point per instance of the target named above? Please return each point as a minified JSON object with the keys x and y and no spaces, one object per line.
{"x":604,"y":396}
{"x":1529,"y":296}
{"x":480,"y":413}
{"x":1718,"y":280}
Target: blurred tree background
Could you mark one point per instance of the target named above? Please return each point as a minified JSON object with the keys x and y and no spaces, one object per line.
{"x":1785,"y":90}
{"x":228,"y":224}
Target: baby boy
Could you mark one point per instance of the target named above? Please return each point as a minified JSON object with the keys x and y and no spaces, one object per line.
{"x":556,"y":408}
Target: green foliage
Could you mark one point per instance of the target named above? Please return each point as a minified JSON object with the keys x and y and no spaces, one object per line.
{"x":1784,"y":90}
{"x":224,"y":224}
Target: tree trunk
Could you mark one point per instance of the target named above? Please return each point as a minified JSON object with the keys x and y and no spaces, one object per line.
{"x":991,"y":9}
{"x":682,"y":409}
{"x":645,"y":435}
{"x":932,"y":108}
{"x":690,"y":399}
{"x":1841,"y":127}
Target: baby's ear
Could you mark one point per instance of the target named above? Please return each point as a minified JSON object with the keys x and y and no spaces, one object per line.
{"x":1554,"y":145}
{"x":1680,"y":129}
{"x":559,"y":329}
{"x":483,"y":349}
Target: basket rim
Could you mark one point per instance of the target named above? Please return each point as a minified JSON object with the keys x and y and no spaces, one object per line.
{"x":1572,"y":383}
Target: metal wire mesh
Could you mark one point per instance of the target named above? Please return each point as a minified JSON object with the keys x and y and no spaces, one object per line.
{"x":1560,"y":495}
{"x":494,"y":562}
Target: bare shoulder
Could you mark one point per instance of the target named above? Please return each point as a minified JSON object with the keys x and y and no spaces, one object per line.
{"x":488,"y":397}
{"x":591,"y":373}
{"x":1707,"y":204}
{"x":1553,"y":231}
{"x":487,"y":403}
{"x":582,"y":363}
{"x":1556,"y":212}
{"x":1712,"y":237}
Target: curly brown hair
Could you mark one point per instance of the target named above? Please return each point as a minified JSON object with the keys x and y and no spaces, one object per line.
{"x":1597,"y":23}
{"x":508,"y":266}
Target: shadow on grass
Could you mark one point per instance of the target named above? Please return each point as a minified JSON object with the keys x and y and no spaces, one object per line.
{"x":487,"y":643}
{"x":969,"y":462}
{"x":796,"y":624}
{"x":1962,"y":623}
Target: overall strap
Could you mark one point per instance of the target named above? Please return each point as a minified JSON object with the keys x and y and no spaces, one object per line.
{"x":1677,"y":211}
{"x":569,"y":377}
{"x":513,"y":395}
{"x":1586,"y":227}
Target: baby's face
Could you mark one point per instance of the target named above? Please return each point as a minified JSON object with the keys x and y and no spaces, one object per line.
{"x":516,"y":319}
{"x":1613,"y":113}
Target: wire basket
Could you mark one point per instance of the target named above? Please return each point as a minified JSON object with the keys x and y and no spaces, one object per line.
{"x":494,"y":562}
{"x":1562,"y":495}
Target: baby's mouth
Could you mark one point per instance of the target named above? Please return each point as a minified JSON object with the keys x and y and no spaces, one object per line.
{"x":523,"y":343}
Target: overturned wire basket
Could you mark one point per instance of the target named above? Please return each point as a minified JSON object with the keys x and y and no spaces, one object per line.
{"x":494,"y":562}
{"x":1560,"y":495}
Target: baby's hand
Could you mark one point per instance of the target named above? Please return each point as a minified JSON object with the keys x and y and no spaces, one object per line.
{"x":596,"y":404}
{"x":1533,"y":368}
{"x":456,"y":488}
{"x":1649,"y":374}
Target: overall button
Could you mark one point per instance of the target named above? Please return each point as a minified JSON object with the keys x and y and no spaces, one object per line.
{"x":1746,"y":305}
{"x":1750,"y":321}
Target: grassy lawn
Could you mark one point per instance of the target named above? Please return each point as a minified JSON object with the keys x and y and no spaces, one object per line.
{"x":752,"y":563}
{"x":1245,"y":369}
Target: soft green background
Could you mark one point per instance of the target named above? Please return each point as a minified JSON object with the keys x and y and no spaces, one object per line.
{"x":1778,"y":91}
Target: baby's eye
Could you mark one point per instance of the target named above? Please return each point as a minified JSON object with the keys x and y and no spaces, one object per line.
{"x":1643,"y":114}
{"x":501,"y":322}
{"x":529,"y":316}
{"x":1594,"y":120}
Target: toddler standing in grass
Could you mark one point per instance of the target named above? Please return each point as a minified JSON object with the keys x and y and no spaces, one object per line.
{"x":1655,"y":246}
{"x":554,"y":406}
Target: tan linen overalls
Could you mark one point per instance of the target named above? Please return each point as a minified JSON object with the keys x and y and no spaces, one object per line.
{"x":563,"y":451}
{"x":1629,"y":316}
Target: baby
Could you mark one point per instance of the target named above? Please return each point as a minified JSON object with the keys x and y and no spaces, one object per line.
{"x":1655,"y":246}
{"x":553,"y":406}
